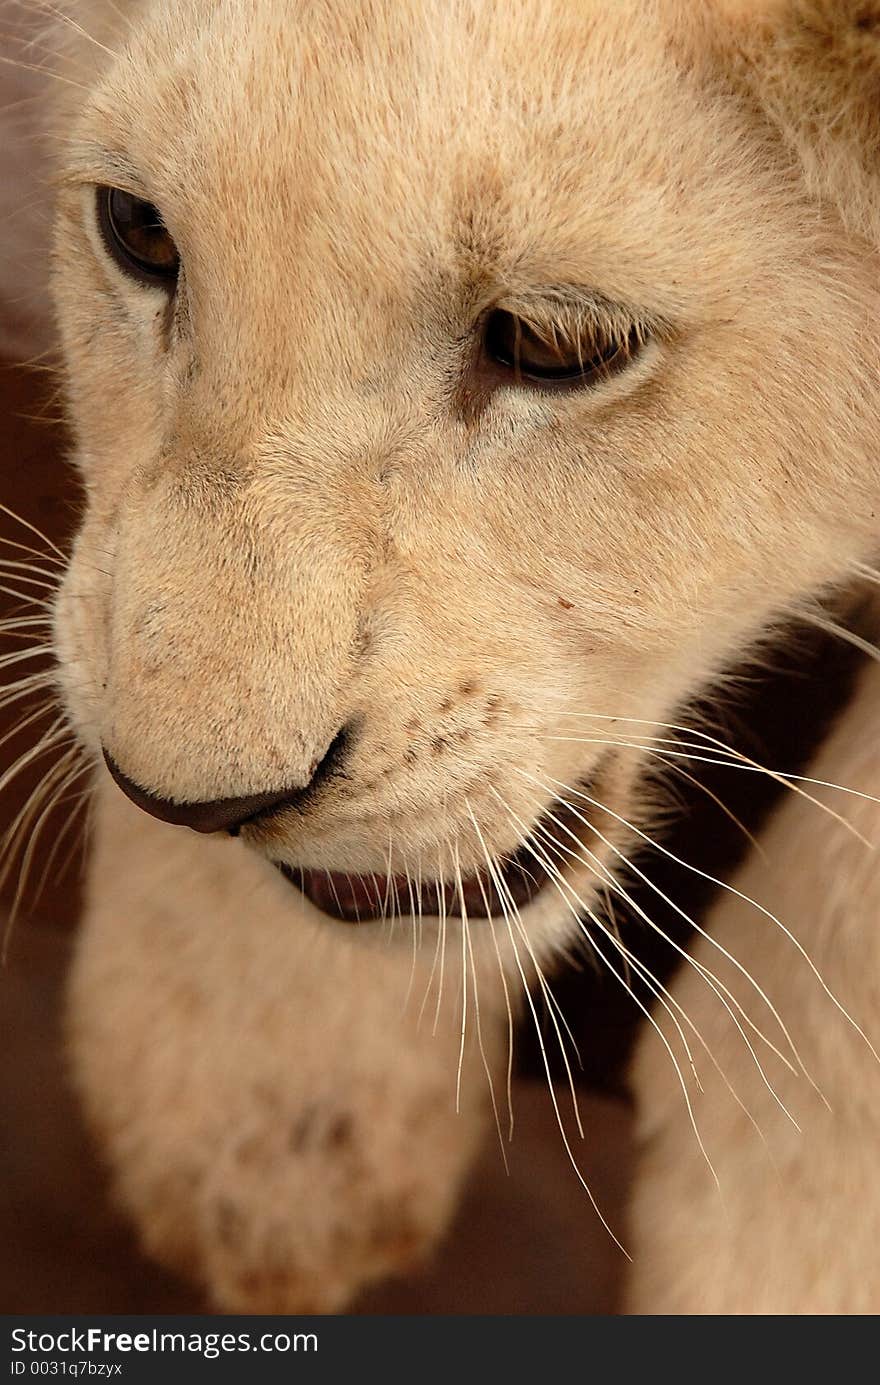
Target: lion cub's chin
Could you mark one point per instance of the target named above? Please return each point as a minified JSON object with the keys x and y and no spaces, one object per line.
{"x":541,"y":913}
{"x":545,"y":885}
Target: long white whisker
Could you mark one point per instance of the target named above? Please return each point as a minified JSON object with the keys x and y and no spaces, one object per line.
{"x":35,"y":553}
{"x":12,"y":626}
{"x":442,"y":903}
{"x":29,"y":572}
{"x":460,"y":887}
{"x":652,"y":885}
{"x":4,"y":509}
{"x":415,"y":949}
{"x":20,"y":656}
{"x":831,"y":627}
{"x":562,"y":885}
{"x":510,"y":1026}
{"x":396,"y":914}
{"x":36,"y":682}
{"x":553,"y":1008}
{"x":477,"y":1018}
{"x":55,"y":733}
{"x":58,"y":790}
{"x":43,"y":71}
{"x":433,"y":972}
{"x":731,"y":889}
{"x":747,"y":899}
{"x":44,"y":791}
{"x":387,"y":899}
{"x":531,"y":1004}
{"x":19,"y":823}
{"x":628,"y":957}
{"x":491,"y":923}
{"x":711,"y":980}
{"x":25,"y":598}
{"x":591,"y":860}
{"x":78,"y":28}
{"x":83,"y":797}
{"x":737,"y":760}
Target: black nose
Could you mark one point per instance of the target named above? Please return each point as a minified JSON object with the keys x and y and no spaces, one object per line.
{"x":220,"y":814}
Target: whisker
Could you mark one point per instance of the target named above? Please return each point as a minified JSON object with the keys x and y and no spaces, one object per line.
{"x":37,"y":714}
{"x":15,"y":623}
{"x":718,"y":801}
{"x":561,"y":885}
{"x":490,"y":920}
{"x":26,"y":598}
{"x":627,"y":957}
{"x":77,"y":28}
{"x":419,"y":888}
{"x":443,"y":914}
{"x":480,"y":1044}
{"x":712,"y":981}
{"x":387,"y":898}
{"x":831,"y":627}
{"x":396,"y":911}
{"x":458,"y":881}
{"x":415,"y":952}
{"x":508,"y":1006}
{"x":433,"y":971}
{"x":34,"y":552}
{"x":19,"y":824}
{"x":23,"y":687}
{"x":531,"y":1004}
{"x":64,"y":783}
{"x":333,"y":890}
{"x":652,"y":885}
{"x":44,"y":791}
{"x":731,"y":889}
{"x":4,"y":509}
{"x":31,"y":570}
{"x":550,"y":1001}
{"x":55,"y":733}
{"x":78,"y":801}
{"x":43,"y":71}
{"x":744,"y":762}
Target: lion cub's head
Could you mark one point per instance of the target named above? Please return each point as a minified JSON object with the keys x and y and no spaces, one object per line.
{"x":449,"y":378}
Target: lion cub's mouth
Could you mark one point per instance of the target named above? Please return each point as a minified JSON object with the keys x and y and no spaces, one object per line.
{"x":513,"y":882}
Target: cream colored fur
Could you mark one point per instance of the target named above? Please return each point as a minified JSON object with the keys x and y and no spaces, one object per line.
{"x":795,"y":1223}
{"x":282,"y":1131}
{"x":295,"y":521}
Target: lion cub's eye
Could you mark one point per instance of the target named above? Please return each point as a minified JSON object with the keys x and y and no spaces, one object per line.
{"x":557,"y":358}
{"x":137,"y":239}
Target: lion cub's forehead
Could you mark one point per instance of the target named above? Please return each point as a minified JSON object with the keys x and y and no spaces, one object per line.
{"x":523,"y":129}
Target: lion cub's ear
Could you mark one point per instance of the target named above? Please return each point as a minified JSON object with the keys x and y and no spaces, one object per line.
{"x":813,"y":66}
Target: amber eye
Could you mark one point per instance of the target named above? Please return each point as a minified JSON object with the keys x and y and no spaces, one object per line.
{"x":136,"y":237}
{"x":557,"y":358}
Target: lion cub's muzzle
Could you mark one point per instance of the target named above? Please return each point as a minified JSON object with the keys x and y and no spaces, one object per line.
{"x":227,"y":814}
{"x":511,"y":882}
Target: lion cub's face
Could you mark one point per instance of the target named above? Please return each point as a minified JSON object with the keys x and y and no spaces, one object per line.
{"x":492,"y":376}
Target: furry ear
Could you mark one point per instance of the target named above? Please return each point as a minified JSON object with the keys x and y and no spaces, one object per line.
{"x":814,"y":68}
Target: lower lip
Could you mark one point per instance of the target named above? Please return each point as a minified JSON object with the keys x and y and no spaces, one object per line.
{"x":514,"y":883}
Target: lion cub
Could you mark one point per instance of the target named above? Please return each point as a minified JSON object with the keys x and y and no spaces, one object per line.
{"x":456,"y":386}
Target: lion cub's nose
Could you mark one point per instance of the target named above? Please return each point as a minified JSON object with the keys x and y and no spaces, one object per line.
{"x":219,"y":815}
